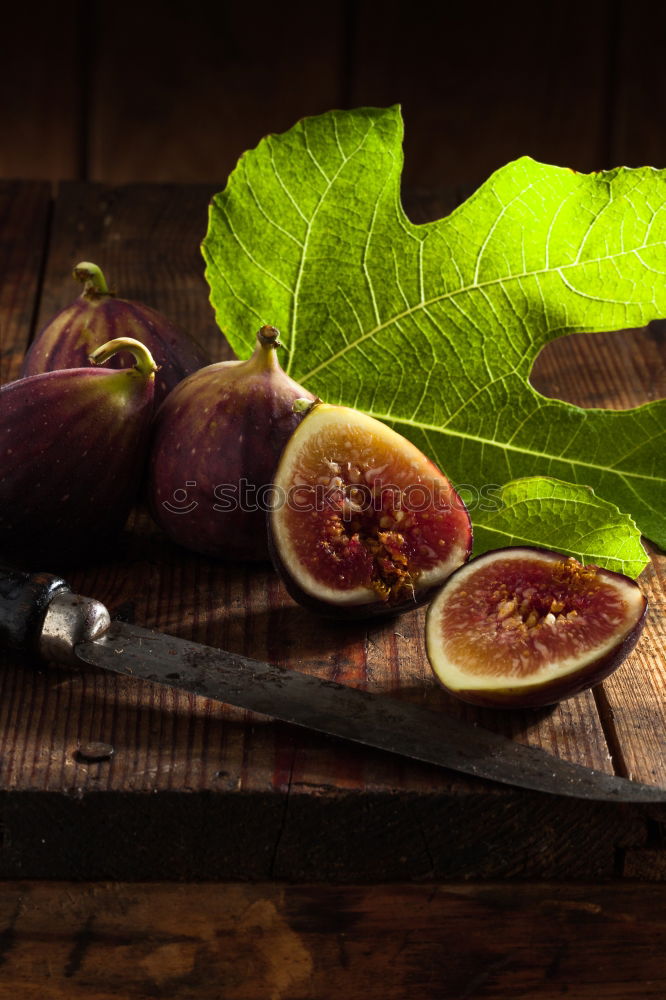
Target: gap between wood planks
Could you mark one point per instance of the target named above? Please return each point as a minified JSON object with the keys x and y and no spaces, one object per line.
{"x":607,"y":720}
{"x":41,"y":274}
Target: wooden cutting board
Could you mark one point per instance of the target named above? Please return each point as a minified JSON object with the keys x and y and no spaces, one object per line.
{"x":200,"y":790}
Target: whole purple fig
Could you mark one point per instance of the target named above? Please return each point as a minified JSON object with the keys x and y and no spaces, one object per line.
{"x":98,"y":316}
{"x":73,"y":445}
{"x":217,"y":441}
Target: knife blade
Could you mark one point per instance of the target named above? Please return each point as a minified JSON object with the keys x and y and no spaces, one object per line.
{"x":41,"y":613}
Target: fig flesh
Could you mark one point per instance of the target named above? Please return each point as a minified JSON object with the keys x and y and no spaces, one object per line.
{"x":523,"y":627}
{"x":216,"y":442}
{"x":72,"y":448}
{"x":98,"y":316}
{"x":362,"y":522}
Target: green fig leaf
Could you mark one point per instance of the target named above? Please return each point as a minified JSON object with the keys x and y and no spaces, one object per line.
{"x":434,"y":328}
{"x":551,"y":514}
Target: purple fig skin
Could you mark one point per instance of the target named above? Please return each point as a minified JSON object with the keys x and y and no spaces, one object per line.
{"x":216,"y":442}
{"x":557,"y":689}
{"x":72,"y":448}
{"x":98,"y":316}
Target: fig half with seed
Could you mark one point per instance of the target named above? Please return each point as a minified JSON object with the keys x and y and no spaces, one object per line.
{"x":216,"y":442}
{"x":362,"y":523}
{"x":98,"y":316}
{"x":72,"y":448}
{"x":525,"y":628}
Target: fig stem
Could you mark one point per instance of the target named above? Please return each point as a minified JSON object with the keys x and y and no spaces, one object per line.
{"x":264,"y":358}
{"x":94,"y":282}
{"x":145,"y":364}
{"x":268,"y":336}
{"x":303,"y":405}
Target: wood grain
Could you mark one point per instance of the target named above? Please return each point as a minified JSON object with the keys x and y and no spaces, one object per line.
{"x":41,"y":113}
{"x":240,"y":796}
{"x":620,"y":370}
{"x":24,"y":219}
{"x":394,"y":942}
{"x":638,"y":101}
{"x":189,"y":88}
{"x":165,"y":92}
{"x":615,"y":370}
{"x":480,"y":91}
{"x":139,"y":236}
{"x":636,"y":693}
{"x":122,"y":229}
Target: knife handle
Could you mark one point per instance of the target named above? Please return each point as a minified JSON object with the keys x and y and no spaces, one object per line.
{"x":40,"y":614}
{"x":24,"y":601}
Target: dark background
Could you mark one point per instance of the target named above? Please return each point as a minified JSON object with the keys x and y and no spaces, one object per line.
{"x":175,"y":91}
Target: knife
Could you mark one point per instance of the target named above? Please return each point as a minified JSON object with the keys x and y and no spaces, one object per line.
{"x":39,"y":614}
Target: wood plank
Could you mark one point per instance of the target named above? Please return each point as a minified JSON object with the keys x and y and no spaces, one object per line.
{"x":478,"y":92}
{"x":636,"y":694}
{"x":616,"y":370}
{"x":636,"y":699}
{"x":201,"y":84}
{"x":639,"y":95}
{"x":394,"y":942}
{"x":291,"y":805}
{"x":41,"y":86}
{"x":146,"y":240}
{"x":24,"y":219}
{"x":620,"y":370}
{"x":117,"y":221}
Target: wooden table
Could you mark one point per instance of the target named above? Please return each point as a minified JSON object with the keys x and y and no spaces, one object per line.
{"x":336,"y":861}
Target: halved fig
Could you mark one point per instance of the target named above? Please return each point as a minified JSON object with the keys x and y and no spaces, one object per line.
{"x":523,"y":627}
{"x":362,"y":523}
